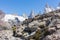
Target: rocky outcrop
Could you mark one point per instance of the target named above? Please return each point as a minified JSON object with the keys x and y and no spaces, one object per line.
{"x":7,"y":35}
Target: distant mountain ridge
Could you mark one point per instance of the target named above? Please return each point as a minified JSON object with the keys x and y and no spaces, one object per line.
{"x":10,"y":16}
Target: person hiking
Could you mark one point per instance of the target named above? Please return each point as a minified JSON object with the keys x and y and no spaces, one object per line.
{"x":14,"y":30}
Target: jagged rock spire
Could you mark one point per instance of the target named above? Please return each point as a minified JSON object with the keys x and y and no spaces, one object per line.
{"x":25,"y":16}
{"x":48,"y":8}
{"x":32,"y":14}
{"x":58,"y":6}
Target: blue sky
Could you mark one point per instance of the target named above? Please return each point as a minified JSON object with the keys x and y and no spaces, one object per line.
{"x":25,"y":6}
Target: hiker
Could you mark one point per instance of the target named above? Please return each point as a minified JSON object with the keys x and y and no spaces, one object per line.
{"x":14,"y":30}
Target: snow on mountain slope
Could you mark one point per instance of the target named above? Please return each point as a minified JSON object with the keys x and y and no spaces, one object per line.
{"x":12,"y":17}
